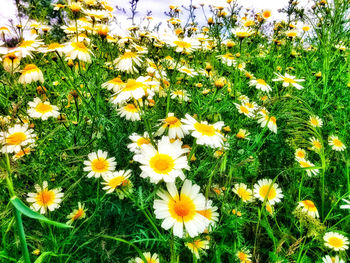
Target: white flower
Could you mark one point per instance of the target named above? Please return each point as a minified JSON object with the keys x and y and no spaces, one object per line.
{"x":98,"y":164}
{"x":16,"y":138}
{"x":166,"y":163}
{"x":265,"y":189}
{"x":43,"y":110}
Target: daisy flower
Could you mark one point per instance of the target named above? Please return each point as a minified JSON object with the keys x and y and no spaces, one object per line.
{"x":182,"y":95}
{"x":197,"y":246}
{"x":206,"y":134}
{"x":173,"y":125}
{"x":307,"y":164}
{"x":315,"y":121}
{"x":98,"y":164}
{"x":316,"y":144}
{"x":138,"y":142}
{"x":185,"y":45}
{"x":270,"y":122}
{"x":77,"y":214}
{"x":22,"y":153}
{"x":42,"y":110}
{"x":188,"y":71}
{"x":260,"y":84}
{"x":31,"y":73}
{"x":179,"y":210}
{"x":337,"y":145}
{"x":78,"y":50}
{"x":130,"y":112}
{"x":11,"y":62}
{"x":45,"y":199}
{"x":149,"y":258}
{"x":114,"y":180}
{"x":336,"y":241}
{"x":242,"y":32}
{"x":132,"y":89}
{"x":264,"y":189}
{"x":16,"y":138}
{"x":329,"y":259}
{"x":243,"y":192}
{"x":244,"y":256}
{"x":245,"y":109}
{"x":166,"y":163}
{"x":227,"y":59}
{"x":28,"y":45}
{"x":300,"y":153}
{"x":127,"y":61}
{"x":308,"y":207}
{"x":115,"y":84}
{"x":242,"y":134}
{"x":53,"y":47}
{"x":289,"y":80}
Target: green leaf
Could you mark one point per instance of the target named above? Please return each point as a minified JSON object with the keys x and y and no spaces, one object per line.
{"x":25,"y":210}
{"x":42,"y":256}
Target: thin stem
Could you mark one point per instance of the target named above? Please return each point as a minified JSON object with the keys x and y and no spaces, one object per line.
{"x":22,"y":236}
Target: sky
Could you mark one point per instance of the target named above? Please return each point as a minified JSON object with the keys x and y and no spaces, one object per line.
{"x":8,"y":9}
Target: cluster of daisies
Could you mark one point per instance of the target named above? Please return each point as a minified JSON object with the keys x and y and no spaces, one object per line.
{"x":140,"y":82}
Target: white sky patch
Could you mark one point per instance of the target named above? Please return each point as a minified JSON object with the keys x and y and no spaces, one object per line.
{"x":158,"y":7}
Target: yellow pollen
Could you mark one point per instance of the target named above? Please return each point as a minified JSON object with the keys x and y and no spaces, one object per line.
{"x":79,"y":46}
{"x":172,"y":121}
{"x":30,"y":68}
{"x":142,"y":141}
{"x":288,"y":80}
{"x":128,"y":55}
{"x":100,"y":165}
{"x":244,"y":109}
{"x":54,"y":46}
{"x":206,"y":213}
{"x":309,"y":205}
{"x":182,"y":208}
{"x":16,"y":138}
{"x":261,"y":81}
{"x":45,"y":197}
{"x":266,"y":189}
{"x":182,"y":44}
{"x":162,"y":163}
{"x":335,"y":242}
{"x":133,"y":85}
{"x":115,"y":182}
{"x":243,"y":193}
{"x":204,"y":129}
{"x":80,"y":213}
{"x":27,"y":43}
{"x":131,"y":108}
{"x":337,"y":143}
{"x":43,"y":108}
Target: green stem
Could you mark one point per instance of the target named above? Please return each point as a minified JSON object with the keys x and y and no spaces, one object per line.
{"x":22,"y":236}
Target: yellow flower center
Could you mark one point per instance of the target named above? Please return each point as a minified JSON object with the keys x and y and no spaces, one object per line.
{"x":261,"y":82}
{"x":16,"y":138}
{"x":182,"y":44}
{"x":116,"y":81}
{"x":301,"y":154}
{"x":205,"y":129}
{"x":317,"y":144}
{"x":131,"y":108}
{"x":172,"y":121}
{"x":335,"y":242}
{"x":337,"y":143}
{"x":309,"y":205}
{"x":100,"y":165}
{"x":54,"y":46}
{"x":133,"y":85}
{"x":80,"y":213}
{"x":29,"y":68}
{"x":243,"y":34}
{"x":142,"y":141}
{"x":27,"y":43}
{"x":288,"y":80}
{"x":45,"y":197}
{"x":79,"y":46}
{"x":244,"y":109}
{"x":182,"y":208}
{"x":266,"y":191}
{"x":116,"y":181}
{"x":162,"y":163}
{"x":304,"y":164}
{"x":43,"y":108}
{"x":186,"y":70}
{"x":242,"y":256}
{"x":228,"y":56}
{"x":266,"y":14}
{"x":292,"y":34}
{"x":128,"y":55}
{"x":243,"y":193}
